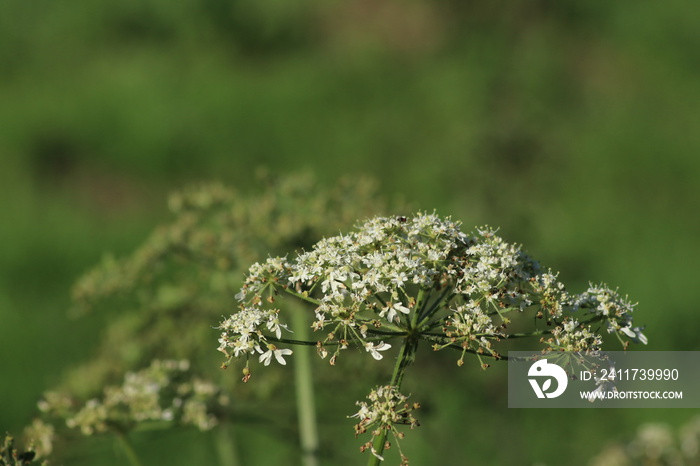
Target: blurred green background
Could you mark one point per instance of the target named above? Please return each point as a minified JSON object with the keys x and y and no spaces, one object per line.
{"x":572,"y":126}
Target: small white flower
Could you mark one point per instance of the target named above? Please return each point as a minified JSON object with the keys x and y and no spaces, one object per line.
{"x":274,"y":325}
{"x":570,"y":326}
{"x":399,"y":278}
{"x":375,"y":349}
{"x":272,"y":350}
{"x":374,"y":452}
{"x":391,"y":311}
{"x":603,"y":384}
{"x":635,"y":333}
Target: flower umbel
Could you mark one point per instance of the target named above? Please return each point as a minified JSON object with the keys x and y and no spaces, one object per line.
{"x":242,"y":335}
{"x":386,"y":409}
{"x":615,"y":310}
{"x":417,"y":278}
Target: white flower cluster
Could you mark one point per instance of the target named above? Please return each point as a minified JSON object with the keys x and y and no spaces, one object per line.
{"x":387,"y":408}
{"x":385,"y":256}
{"x":395,"y":276}
{"x":550,"y":295}
{"x":613,"y":308}
{"x":494,"y":271}
{"x":471,"y":328}
{"x":374,"y":268}
{"x":165,"y":391}
{"x":242,"y":334}
{"x":573,"y":337}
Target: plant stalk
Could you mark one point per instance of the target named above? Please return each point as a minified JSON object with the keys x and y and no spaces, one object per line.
{"x":306,"y":407}
{"x":406,"y":357}
{"x":226,"y":445}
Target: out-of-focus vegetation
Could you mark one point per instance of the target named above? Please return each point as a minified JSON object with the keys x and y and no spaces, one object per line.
{"x":655,"y":444}
{"x":571,"y":125}
{"x":163,"y":301}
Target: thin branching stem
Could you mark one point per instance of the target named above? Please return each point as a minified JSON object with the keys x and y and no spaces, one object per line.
{"x":302,"y":296}
{"x":128,"y":449}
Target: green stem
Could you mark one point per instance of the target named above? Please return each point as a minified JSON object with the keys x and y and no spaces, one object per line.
{"x":226,"y":445}
{"x":406,"y":357}
{"x":302,"y":296}
{"x":429,"y":312}
{"x":128,"y":449}
{"x":306,"y":408}
{"x":336,"y":343}
{"x":505,"y":310}
{"x":529,"y":334}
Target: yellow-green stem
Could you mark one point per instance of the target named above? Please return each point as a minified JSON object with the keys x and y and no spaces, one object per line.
{"x":306,"y":408}
{"x":226,"y":445}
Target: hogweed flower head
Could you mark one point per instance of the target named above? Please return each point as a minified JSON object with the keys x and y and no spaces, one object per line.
{"x":418,"y":279}
{"x":421,"y":275}
{"x":242,"y":335}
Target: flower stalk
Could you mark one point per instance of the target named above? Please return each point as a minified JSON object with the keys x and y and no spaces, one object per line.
{"x":303,"y":377}
{"x":407,"y":356}
{"x":226,"y":445}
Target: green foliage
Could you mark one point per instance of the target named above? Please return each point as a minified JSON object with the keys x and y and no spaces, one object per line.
{"x":184,"y":278}
{"x":655,"y":444}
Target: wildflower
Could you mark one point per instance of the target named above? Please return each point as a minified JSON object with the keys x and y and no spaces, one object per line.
{"x":375,"y":349}
{"x":391,"y":310}
{"x":616,"y":310}
{"x":386,"y":409}
{"x":635,"y":333}
{"x":272,"y":350}
{"x":574,"y":337}
{"x":242,"y":333}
